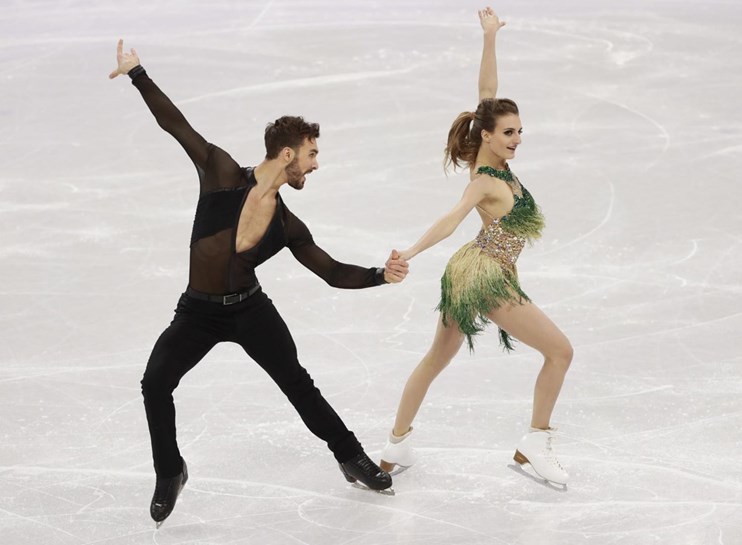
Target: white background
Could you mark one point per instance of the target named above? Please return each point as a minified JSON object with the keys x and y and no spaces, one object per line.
{"x":632,"y":146}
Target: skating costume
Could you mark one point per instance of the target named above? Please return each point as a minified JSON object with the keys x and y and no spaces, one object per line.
{"x":481,"y":276}
{"x":224,"y":301}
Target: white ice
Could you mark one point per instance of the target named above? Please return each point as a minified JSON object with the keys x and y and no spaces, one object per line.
{"x":632,"y":146}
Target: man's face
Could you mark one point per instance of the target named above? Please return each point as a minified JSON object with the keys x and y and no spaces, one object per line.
{"x":304,"y":162}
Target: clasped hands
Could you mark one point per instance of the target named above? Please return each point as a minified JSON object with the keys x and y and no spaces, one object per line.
{"x":396,"y":267}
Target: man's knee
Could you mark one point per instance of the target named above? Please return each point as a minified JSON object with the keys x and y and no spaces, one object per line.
{"x":297,"y":385}
{"x":156,"y":384}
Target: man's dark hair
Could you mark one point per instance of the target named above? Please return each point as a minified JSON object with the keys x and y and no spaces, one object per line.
{"x":288,"y":131}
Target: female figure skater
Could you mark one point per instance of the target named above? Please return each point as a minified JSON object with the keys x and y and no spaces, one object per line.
{"x":480,"y":283}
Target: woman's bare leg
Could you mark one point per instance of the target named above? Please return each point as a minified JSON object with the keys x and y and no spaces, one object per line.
{"x":530,"y":325}
{"x":445,"y":345}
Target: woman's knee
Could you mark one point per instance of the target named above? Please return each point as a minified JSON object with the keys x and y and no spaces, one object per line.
{"x":437,"y":359}
{"x":561,"y":354}
{"x":446,"y":345}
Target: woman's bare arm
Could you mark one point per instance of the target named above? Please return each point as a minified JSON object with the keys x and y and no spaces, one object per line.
{"x":488,"y":68}
{"x":477,"y":190}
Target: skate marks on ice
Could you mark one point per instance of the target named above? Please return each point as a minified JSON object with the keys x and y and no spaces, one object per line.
{"x":619,"y":108}
{"x":302,"y":513}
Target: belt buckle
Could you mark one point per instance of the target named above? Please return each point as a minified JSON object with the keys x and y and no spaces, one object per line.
{"x":231,"y":299}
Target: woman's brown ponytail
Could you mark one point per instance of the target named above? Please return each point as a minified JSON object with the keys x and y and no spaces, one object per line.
{"x":465,"y":136}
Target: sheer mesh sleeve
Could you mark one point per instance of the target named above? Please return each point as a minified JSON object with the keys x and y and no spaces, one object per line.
{"x":171,"y":120}
{"x":314,"y":258}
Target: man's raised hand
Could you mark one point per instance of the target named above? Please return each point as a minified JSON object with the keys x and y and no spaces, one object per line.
{"x":126,"y":61}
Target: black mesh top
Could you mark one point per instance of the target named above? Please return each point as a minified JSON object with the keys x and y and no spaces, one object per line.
{"x":215,"y":266}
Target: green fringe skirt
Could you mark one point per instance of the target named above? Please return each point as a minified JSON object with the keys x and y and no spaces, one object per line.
{"x":473,"y":285}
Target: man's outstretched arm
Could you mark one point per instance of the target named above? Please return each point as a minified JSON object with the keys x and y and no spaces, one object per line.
{"x":166,"y":113}
{"x":335,"y":273}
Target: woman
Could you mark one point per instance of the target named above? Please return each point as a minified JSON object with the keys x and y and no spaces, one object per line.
{"x":480,"y":283}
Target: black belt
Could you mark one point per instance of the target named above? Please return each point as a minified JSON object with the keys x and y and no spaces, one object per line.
{"x":229,"y":299}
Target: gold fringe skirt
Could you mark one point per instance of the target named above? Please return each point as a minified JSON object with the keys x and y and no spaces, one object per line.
{"x":473,"y":285}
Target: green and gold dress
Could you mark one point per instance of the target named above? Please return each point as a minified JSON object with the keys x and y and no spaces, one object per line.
{"x":481,"y":276}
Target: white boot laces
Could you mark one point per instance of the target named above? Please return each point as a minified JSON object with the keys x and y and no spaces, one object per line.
{"x":549,"y":454}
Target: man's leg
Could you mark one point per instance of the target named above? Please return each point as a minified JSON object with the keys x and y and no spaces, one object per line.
{"x":266,"y":339}
{"x":180,"y":347}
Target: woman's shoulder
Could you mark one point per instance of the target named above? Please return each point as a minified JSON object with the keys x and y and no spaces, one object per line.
{"x":490,"y":186}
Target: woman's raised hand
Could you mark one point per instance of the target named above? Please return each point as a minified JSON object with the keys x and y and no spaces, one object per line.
{"x":489,"y":20}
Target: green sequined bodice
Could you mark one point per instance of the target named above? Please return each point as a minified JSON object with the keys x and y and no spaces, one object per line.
{"x":505,"y":174}
{"x":525,"y":219}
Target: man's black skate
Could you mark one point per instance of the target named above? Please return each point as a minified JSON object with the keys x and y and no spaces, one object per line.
{"x":166,"y":494}
{"x":361,"y":468}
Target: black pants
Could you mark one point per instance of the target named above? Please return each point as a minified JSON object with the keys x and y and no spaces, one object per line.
{"x":255,"y":325}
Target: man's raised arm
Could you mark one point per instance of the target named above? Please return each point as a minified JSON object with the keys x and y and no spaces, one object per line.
{"x":166,"y":113}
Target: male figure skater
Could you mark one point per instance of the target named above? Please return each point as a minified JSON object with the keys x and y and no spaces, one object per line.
{"x":241,"y":221}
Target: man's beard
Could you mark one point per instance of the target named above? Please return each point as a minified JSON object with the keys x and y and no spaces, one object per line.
{"x":294,"y":175}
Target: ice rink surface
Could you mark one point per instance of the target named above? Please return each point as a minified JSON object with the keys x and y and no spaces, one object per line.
{"x":632,"y":147}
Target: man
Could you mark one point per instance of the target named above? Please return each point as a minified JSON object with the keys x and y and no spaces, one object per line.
{"x":241,"y":221}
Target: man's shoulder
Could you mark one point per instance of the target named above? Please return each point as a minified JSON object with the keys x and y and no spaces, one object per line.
{"x":219,"y":154}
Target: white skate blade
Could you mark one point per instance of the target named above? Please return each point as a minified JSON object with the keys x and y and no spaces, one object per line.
{"x":398,"y":469}
{"x":386,"y":492}
{"x":519,"y":468}
{"x":158,"y":524}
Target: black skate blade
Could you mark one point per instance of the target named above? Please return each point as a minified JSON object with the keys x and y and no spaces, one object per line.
{"x":386,"y":492}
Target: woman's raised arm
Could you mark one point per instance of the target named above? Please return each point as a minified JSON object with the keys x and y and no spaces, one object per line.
{"x":488,"y":68}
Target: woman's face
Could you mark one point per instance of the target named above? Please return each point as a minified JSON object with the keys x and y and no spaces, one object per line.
{"x":503,"y":141}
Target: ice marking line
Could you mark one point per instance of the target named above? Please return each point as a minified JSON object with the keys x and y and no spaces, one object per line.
{"x":296,"y":491}
{"x":46,"y":373}
{"x":631,"y":503}
{"x":33,"y":521}
{"x":261,"y":14}
{"x":411,"y":515}
{"x":605,"y":220}
{"x":204,"y":428}
{"x":367,"y":372}
{"x":663,"y":331}
{"x":304,"y":25}
{"x":285,"y":533}
{"x":317,"y":81}
{"x":245,"y":496}
{"x":302,"y":512}
{"x":618,"y":396}
{"x":724,"y":151}
{"x":113,"y":412}
{"x":646,"y":117}
{"x":719,"y":263}
{"x":597,"y":289}
{"x":654,"y":463}
{"x":102,"y":494}
{"x":401,"y":327}
{"x":726,"y":233}
{"x":440,"y":521}
{"x":693,"y":252}
{"x":131,"y":534}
